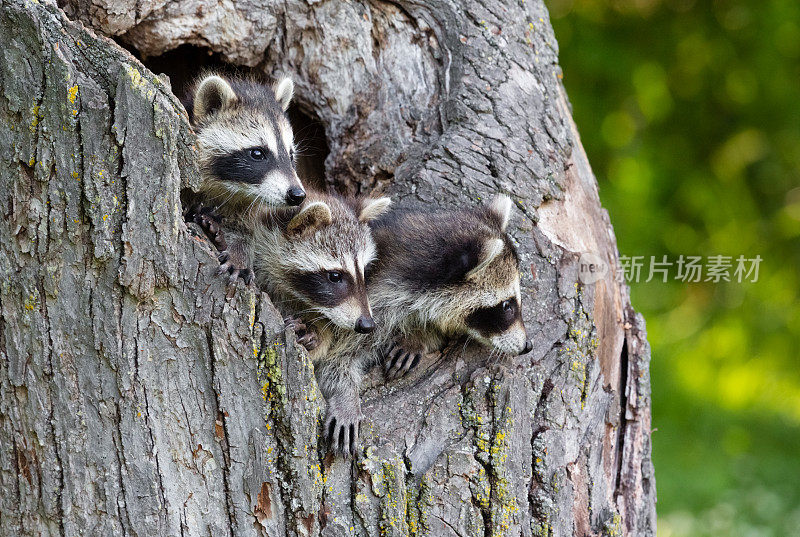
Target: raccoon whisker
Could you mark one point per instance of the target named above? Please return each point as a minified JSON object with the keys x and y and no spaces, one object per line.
{"x":227,"y":199}
{"x":301,"y":145}
{"x":490,"y":358}
{"x":300,"y":313}
{"x":306,"y":150}
{"x":464,"y":348}
{"x":250,"y":207}
{"x":300,"y":140}
{"x":307,"y":127}
{"x":213,"y":198}
{"x":310,"y":309}
{"x":305,"y":314}
{"x":317,"y":318}
{"x":259,"y":205}
{"x":262,"y":207}
{"x":307,"y":310}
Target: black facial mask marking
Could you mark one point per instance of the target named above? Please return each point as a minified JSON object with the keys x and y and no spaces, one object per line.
{"x":495,"y":319}
{"x":250,"y":165}
{"x":322,"y":289}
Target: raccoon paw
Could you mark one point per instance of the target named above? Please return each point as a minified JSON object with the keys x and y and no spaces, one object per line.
{"x":342,"y":419}
{"x":398,"y":360}
{"x":208,"y":219}
{"x":234,"y":272}
{"x":306,"y":336}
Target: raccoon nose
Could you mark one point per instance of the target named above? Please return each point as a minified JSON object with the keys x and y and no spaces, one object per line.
{"x":295,"y":195}
{"x":364,"y":325}
{"x":528,"y":347}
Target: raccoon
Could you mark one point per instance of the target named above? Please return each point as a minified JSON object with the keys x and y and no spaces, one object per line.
{"x":311,"y":261}
{"x":246,"y":154}
{"x":444,"y":275}
{"x":436,"y":276}
{"x":245,"y":143}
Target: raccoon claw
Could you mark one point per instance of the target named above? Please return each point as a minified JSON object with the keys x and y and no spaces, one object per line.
{"x":399,"y":362}
{"x":234,"y":272}
{"x":295,"y":323}
{"x":209,"y":221}
{"x":341,"y":430}
{"x":309,"y":341}
{"x":342,"y":438}
{"x":305,"y":335}
{"x":246,"y":275}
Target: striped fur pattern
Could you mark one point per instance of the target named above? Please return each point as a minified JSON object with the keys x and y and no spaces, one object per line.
{"x":311,"y":260}
{"x":437,"y":275}
{"x":245,"y":144}
{"x":446,"y":274}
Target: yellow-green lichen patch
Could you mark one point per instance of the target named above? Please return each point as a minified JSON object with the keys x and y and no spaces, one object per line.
{"x":471,"y":419}
{"x":37,"y":116}
{"x":32,"y":301}
{"x":388,"y":484}
{"x":542,"y":529}
{"x":504,"y":504}
{"x":139,"y":83}
{"x":613,"y":527}
{"x":578,"y":352}
{"x":420,"y":501}
{"x":481,"y":489}
{"x":134,"y":75}
{"x":270,"y":375}
{"x":490,"y":485}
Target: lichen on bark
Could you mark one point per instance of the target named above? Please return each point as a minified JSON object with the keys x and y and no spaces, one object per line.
{"x":139,"y":395}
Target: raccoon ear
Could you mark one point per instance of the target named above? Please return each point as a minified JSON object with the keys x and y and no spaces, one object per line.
{"x":491,"y":249}
{"x":500,"y":210}
{"x":310,"y":218}
{"x":213,"y":93}
{"x":284,"y":89}
{"x":372,"y":208}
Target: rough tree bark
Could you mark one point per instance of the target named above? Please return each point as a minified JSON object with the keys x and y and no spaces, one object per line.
{"x":139,"y":396}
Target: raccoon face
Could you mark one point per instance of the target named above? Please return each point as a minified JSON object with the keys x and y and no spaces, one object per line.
{"x":499,"y":324}
{"x":463,"y":271}
{"x":327,"y":249}
{"x":486,"y":301}
{"x":246,"y":142}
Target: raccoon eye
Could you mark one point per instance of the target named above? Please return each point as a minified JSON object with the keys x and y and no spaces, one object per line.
{"x":335,"y":277}
{"x":257,"y":154}
{"x":507,"y":306}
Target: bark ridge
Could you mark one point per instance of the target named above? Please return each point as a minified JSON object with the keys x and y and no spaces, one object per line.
{"x":139,"y":396}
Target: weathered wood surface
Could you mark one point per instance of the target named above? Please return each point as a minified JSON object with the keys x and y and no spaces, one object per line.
{"x":138,"y":396}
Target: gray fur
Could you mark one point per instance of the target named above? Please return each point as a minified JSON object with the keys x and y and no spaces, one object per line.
{"x":230,"y":115}
{"x":329,"y":233}
{"x":418,"y":305}
{"x":326,"y":234}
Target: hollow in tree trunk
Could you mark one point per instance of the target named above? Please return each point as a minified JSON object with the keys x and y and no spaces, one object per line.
{"x":140,"y":396}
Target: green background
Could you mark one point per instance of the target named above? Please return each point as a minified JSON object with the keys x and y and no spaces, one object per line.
{"x":690,"y":114}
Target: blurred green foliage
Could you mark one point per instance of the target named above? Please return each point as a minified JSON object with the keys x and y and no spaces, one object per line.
{"x":690,"y":113}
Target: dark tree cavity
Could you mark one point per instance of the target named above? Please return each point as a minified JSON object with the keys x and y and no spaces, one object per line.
{"x":140,"y":396}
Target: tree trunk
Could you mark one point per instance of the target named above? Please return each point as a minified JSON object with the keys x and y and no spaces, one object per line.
{"x":139,"y":396}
